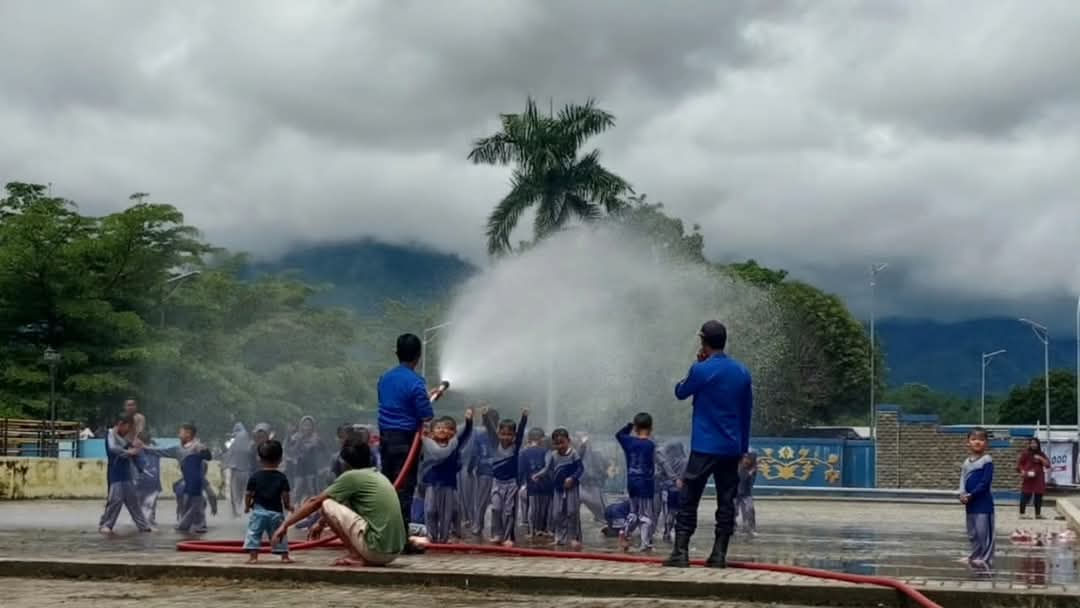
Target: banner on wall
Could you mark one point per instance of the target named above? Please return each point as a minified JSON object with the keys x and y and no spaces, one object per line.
{"x":1061,"y":464}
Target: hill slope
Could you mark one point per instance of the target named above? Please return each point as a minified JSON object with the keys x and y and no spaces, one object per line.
{"x":948,"y":356}
{"x":363,"y":274}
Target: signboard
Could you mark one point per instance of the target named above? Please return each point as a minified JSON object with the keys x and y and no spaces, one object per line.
{"x":1061,"y":464}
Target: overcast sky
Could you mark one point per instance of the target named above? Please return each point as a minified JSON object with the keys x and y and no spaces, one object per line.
{"x":942,"y":137}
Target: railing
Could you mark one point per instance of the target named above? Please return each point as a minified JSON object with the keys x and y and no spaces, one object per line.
{"x":38,"y":438}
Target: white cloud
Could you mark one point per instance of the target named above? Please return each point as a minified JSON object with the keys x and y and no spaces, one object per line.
{"x":942,"y":137}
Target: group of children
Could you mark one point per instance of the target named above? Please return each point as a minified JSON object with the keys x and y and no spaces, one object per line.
{"x":134,"y":478}
{"x":532,"y":480}
{"x":487,"y":481}
{"x":537,"y":482}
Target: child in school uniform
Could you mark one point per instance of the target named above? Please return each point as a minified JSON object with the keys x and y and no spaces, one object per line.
{"x":506,"y":443}
{"x":675,"y":454}
{"x":976,"y":481}
{"x":539,"y":491}
{"x":481,"y":477}
{"x":563,"y":467}
{"x":615,"y":515}
{"x":439,"y":474}
{"x":121,"y":473}
{"x":148,"y":486}
{"x":192,"y":456}
{"x":744,"y":496}
{"x":642,"y":462}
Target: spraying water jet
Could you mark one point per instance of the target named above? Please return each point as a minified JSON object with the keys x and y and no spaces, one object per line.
{"x":594,"y":326}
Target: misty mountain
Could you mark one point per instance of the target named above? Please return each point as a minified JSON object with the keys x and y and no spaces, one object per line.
{"x":363,"y":274}
{"x":948,"y":356}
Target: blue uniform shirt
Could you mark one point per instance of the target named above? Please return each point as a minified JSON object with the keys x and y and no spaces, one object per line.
{"x":616,"y":513}
{"x":440,"y":464}
{"x":723,"y":403}
{"x":532,"y":461}
{"x":403,"y":400}
{"x":150,"y":480}
{"x":504,"y":461}
{"x":480,"y":457}
{"x":119,"y":465}
{"x":640,"y":463}
{"x":976,"y":481}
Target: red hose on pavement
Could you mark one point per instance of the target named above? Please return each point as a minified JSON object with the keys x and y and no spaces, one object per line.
{"x":237,"y":546}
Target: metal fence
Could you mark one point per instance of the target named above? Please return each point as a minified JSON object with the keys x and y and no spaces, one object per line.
{"x":38,"y":438}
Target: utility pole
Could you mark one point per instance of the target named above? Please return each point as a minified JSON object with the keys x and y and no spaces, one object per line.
{"x":875,"y":269}
{"x":1043,"y":335}
{"x":52,"y":359}
{"x":986,"y":358}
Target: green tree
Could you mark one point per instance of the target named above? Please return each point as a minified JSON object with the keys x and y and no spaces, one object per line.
{"x":217,"y":350}
{"x":950,"y":409}
{"x":1027,"y":405}
{"x":668,"y":234}
{"x":830,"y":349}
{"x":80,"y":285}
{"x":548,"y":172}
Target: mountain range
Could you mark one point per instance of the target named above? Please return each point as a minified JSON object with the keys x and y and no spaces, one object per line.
{"x":945,"y":356}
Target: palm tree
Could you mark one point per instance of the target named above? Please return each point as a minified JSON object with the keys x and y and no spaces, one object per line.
{"x":548,"y":172}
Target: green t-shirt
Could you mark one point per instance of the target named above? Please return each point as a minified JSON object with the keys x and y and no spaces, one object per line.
{"x":371,"y":496}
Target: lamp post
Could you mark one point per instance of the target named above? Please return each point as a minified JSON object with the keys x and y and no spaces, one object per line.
{"x":875,"y":269}
{"x":52,"y":359}
{"x":986,"y":359}
{"x":424,"y":341}
{"x":175,"y":282}
{"x":1043,"y":335}
{"x":1078,"y":367}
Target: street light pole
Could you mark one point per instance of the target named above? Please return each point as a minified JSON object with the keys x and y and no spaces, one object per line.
{"x":986,"y":358}
{"x":52,"y":359}
{"x":175,"y":281}
{"x":875,"y":269}
{"x":1043,"y":335}
{"x":1078,"y":367}
{"x":424,"y":341}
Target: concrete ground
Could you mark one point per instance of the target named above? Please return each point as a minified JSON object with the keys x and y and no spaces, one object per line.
{"x":28,"y":593}
{"x":918,"y":541}
{"x":921,"y":543}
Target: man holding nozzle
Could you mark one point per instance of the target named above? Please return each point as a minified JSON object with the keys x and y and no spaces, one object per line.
{"x":404,"y":404}
{"x":720,"y":435}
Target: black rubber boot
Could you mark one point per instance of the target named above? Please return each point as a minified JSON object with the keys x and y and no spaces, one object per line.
{"x":680,"y":553}
{"x":718,"y":557}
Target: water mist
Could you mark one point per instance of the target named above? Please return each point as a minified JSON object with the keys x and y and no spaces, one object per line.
{"x":594,"y":324}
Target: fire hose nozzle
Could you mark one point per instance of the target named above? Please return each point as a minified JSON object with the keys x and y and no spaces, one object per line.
{"x":438,"y":392}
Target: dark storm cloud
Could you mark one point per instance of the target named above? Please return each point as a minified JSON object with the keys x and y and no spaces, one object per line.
{"x":942,"y":137}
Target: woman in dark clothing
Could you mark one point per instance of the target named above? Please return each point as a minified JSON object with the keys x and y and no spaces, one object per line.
{"x":1032,"y":467}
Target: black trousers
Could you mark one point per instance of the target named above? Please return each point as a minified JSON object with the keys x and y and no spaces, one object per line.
{"x":724,"y":471}
{"x":1026,"y":498}
{"x":394,"y":448}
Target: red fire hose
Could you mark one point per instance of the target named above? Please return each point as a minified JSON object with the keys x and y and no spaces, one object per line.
{"x":237,"y":546}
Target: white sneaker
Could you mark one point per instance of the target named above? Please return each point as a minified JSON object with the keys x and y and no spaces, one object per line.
{"x":105,"y":530}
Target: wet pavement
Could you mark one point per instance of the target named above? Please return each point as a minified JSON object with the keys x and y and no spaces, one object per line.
{"x":919,"y":542}
{"x":28,"y":593}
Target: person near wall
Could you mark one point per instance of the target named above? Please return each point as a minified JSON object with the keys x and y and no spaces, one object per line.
{"x":1032,"y":466}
